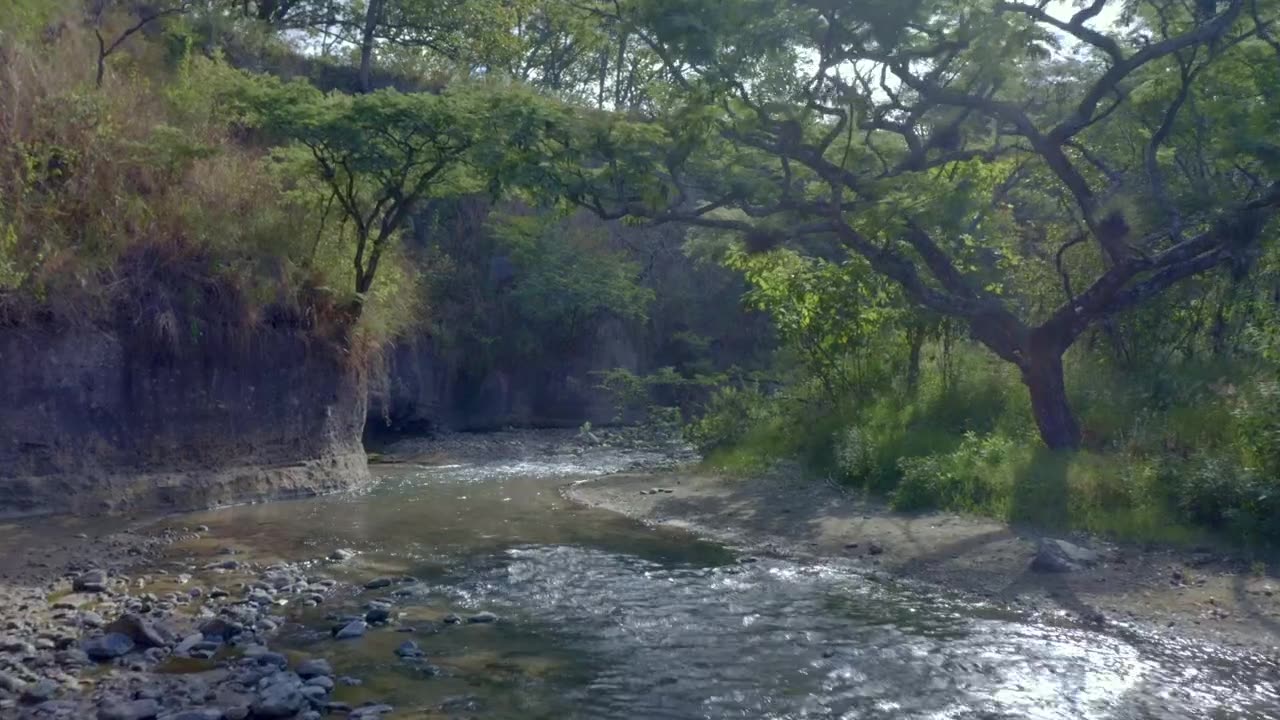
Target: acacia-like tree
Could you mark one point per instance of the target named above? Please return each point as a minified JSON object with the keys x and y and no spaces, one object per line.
{"x":377,"y":156}
{"x":979,"y":153}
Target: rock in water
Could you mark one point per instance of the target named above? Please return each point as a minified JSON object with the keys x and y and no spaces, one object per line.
{"x":1060,"y":556}
{"x":353,"y":629}
{"x":409,"y":649}
{"x":107,"y":647}
{"x":483,"y":617}
{"x":377,"y":583}
{"x":377,"y":615}
{"x":342,"y":554}
{"x":129,"y":710}
{"x":91,"y":581}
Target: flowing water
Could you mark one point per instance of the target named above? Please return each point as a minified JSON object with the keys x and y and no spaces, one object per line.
{"x":606,"y":618}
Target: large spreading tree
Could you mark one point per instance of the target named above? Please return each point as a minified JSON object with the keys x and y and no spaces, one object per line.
{"x":1029,"y":170}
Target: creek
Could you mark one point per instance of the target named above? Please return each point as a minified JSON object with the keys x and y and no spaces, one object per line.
{"x":603,"y":617}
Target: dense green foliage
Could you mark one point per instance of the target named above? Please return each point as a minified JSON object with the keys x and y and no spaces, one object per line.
{"x":1011,"y":261}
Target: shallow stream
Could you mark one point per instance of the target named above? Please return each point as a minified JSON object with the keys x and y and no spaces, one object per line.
{"x":602,"y":617}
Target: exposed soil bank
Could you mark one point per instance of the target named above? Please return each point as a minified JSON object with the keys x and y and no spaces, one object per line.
{"x":100,"y":422}
{"x":1199,"y":595}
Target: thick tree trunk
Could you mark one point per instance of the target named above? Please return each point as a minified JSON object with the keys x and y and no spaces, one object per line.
{"x":373,"y":16}
{"x":1042,"y":374}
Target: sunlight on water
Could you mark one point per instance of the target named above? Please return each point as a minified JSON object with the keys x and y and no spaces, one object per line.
{"x":606,"y":618}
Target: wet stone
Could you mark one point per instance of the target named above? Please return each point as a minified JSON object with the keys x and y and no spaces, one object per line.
{"x":483,"y":618}
{"x":377,"y":583}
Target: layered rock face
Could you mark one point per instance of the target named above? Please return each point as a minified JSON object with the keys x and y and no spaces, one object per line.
{"x":101,"y":421}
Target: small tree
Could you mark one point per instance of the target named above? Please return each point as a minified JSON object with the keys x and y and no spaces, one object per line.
{"x":377,"y":156}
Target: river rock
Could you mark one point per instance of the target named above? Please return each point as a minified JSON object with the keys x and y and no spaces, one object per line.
{"x":409,"y":649}
{"x":107,"y":647}
{"x":280,"y":697}
{"x":314,"y":667}
{"x":91,"y":619}
{"x":39,"y":691}
{"x":377,"y":615}
{"x":370,"y":712}
{"x":188,"y":643}
{"x":1060,"y":556}
{"x":196,"y":714}
{"x":91,"y":581}
{"x":483,"y":618}
{"x":11,"y":684}
{"x":273,"y":658}
{"x":342,"y":554}
{"x":321,"y":681}
{"x":221,"y":628}
{"x":377,"y":583}
{"x":353,"y":629}
{"x":139,"y":630}
{"x":72,"y":656}
{"x":129,"y":710}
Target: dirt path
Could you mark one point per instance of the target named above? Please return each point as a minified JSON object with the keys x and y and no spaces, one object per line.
{"x":1192,"y":595}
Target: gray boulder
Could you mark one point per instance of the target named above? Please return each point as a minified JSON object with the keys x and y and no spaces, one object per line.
{"x":280,"y":699}
{"x":351,"y":630}
{"x":108,"y":647}
{"x":314,"y":667}
{"x":139,"y":630}
{"x":1060,"y":556}
{"x":91,"y":581}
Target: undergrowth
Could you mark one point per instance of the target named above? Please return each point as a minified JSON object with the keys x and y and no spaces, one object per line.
{"x":1179,"y":456}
